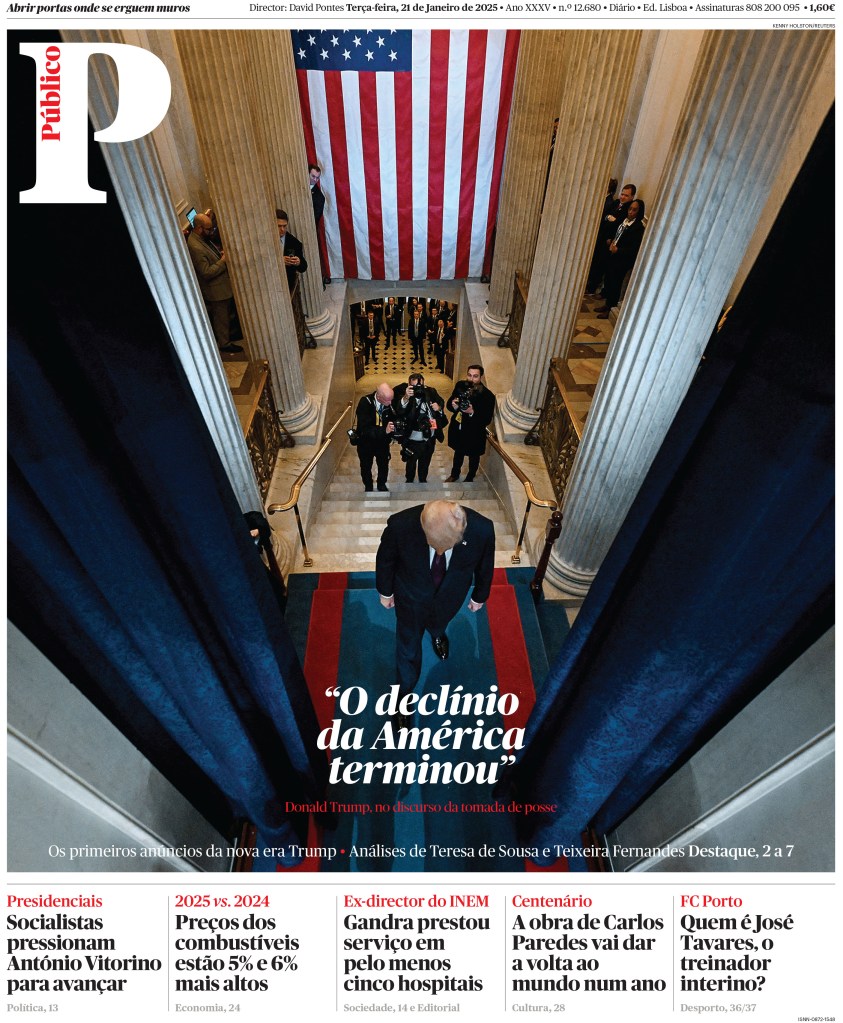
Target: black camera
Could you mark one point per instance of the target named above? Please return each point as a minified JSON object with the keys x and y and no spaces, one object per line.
{"x":402,"y":428}
{"x":419,"y":392}
{"x":466,"y":394}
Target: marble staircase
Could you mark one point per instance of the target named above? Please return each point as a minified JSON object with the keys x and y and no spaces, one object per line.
{"x":345,"y":534}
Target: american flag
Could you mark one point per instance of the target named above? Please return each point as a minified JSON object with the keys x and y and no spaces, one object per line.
{"x":409,"y":128}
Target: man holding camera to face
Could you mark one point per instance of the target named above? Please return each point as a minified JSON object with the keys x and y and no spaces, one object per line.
{"x":473,"y":406}
{"x":420,"y":411}
{"x":375,"y":420}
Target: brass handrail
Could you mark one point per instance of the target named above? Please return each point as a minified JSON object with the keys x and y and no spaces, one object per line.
{"x":298,"y":483}
{"x":532,"y":499}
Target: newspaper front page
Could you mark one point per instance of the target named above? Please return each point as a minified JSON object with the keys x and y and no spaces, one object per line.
{"x":241,"y":777}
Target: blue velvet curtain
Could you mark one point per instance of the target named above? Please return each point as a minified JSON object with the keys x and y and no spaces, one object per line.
{"x":722,"y":573}
{"x":130,"y":564}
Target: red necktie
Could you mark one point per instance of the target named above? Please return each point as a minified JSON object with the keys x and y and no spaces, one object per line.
{"x":437,"y":570}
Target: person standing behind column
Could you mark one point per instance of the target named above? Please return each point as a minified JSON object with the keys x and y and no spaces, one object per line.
{"x":623,"y":250}
{"x":614,"y":211}
{"x":474,"y":408}
{"x":375,"y":427}
{"x":317,"y":196}
{"x":292,"y":249}
{"x":214,"y":283}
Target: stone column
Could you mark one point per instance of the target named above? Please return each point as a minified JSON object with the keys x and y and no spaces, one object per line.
{"x":175,"y":136}
{"x":599,"y":66}
{"x":747,"y":92}
{"x":658,"y":112}
{"x":138,"y":181}
{"x":804,"y":132}
{"x":218,"y":81}
{"x":539,"y":87}
{"x":278,"y":130}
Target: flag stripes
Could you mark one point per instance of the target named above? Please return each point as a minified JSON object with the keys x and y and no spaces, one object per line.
{"x":409,"y":127}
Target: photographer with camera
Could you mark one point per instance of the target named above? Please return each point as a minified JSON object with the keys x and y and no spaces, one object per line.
{"x":375,"y":419}
{"x":422,"y":419}
{"x":474,"y":408}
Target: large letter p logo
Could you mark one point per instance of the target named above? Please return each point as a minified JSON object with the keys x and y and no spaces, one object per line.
{"x":61,"y":118}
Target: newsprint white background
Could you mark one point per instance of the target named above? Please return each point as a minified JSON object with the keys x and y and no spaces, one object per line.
{"x":802,"y":981}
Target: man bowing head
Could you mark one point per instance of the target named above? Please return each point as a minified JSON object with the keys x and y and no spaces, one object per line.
{"x":429,"y":558}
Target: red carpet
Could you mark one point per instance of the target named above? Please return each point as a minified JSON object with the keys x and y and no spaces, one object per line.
{"x":512,"y":665}
{"x":322,"y":656}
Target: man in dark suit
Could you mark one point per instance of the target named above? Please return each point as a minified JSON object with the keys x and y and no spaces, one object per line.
{"x":417,"y":333}
{"x":375,"y":427}
{"x":314,"y":172}
{"x":428,"y":558}
{"x":214,"y":282}
{"x":473,"y":406}
{"x":614,"y":212}
{"x":294,"y":260}
{"x":370,"y":335}
{"x":423,"y":410}
{"x":623,"y":250}
{"x":392,"y":320}
{"x":440,"y":341}
{"x":317,"y":196}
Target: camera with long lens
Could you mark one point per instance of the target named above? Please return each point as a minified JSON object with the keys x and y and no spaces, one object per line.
{"x":465,"y":395}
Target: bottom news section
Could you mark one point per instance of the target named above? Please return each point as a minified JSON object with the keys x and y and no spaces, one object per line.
{"x":626,"y":951}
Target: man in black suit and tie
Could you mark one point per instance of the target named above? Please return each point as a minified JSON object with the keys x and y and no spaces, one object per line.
{"x":428,"y":558}
{"x":417,"y":333}
{"x":375,"y":427}
{"x":294,"y":261}
{"x":370,"y":335}
{"x":392,"y":320}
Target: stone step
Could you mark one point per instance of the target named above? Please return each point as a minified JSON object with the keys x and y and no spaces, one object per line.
{"x":359,"y":531}
{"x":418,"y":492}
{"x":364,"y":561}
{"x":397,"y":479}
{"x":350,"y":521}
{"x":387,"y":504}
{"x":368,"y":544}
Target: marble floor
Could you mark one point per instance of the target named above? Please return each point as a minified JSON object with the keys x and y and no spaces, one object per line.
{"x":586,"y":356}
{"x":395,"y":364}
{"x":243,"y":377}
